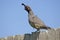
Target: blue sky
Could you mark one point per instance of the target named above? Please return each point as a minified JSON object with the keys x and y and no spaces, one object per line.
{"x":13,"y":17}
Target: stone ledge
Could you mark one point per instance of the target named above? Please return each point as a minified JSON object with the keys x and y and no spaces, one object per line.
{"x":50,"y":35}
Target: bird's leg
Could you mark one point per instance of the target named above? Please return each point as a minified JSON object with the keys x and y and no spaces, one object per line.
{"x":38,"y":30}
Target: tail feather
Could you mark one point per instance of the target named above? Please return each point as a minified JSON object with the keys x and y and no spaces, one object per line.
{"x":44,"y":28}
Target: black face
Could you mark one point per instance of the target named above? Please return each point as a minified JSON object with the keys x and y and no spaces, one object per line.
{"x":27,"y":8}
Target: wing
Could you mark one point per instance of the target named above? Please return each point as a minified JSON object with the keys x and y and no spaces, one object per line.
{"x":38,"y":21}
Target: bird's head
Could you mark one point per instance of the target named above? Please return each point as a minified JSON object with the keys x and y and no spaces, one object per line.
{"x":27,"y":8}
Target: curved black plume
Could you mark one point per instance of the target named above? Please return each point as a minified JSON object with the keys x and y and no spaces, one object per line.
{"x":23,"y":4}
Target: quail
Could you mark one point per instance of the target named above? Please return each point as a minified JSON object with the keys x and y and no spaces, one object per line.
{"x":33,"y":20}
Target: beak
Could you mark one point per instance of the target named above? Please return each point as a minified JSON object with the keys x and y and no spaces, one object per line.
{"x":23,"y":4}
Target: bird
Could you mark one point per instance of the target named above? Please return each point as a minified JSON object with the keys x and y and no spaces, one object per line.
{"x":33,"y":20}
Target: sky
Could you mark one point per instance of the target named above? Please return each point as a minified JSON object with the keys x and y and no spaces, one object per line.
{"x":14,"y":19}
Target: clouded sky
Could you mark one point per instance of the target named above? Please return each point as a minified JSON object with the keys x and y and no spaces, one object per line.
{"x":14,"y":19}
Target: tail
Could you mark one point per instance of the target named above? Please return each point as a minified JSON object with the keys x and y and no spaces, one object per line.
{"x":45,"y":27}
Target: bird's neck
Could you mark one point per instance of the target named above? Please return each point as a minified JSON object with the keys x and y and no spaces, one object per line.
{"x":30,"y":15}
{"x":30,"y":12}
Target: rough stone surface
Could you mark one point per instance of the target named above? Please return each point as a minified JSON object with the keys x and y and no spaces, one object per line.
{"x":51,"y":34}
